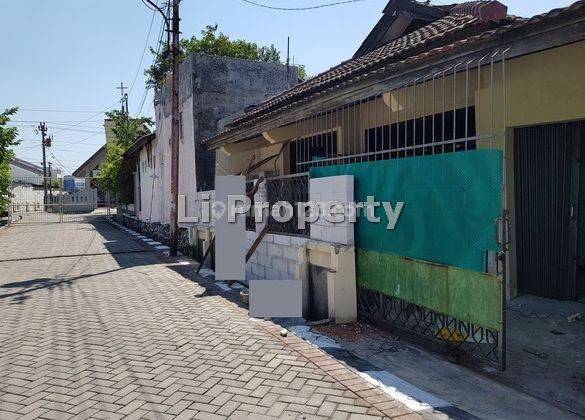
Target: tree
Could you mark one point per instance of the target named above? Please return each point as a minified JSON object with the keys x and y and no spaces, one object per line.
{"x":116,"y":172}
{"x":211,"y":43}
{"x":8,"y":139}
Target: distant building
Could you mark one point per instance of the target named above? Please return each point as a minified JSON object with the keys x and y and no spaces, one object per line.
{"x":72,"y":184}
{"x":28,"y":185}
{"x":212,"y":88}
{"x":89,"y":170}
{"x":28,"y":173}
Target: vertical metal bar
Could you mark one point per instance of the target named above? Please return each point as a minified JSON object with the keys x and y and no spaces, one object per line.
{"x":443,"y":113}
{"x":297,"y":143}
{"x":390,"y":123}
{"x":306,"y":145}
{"x":339,"y":131}
{"x":398,"y":96}
{"x":324,"y":127}
{"x":397,"y":120}
{"x":344,"y":132}
{"x":467,"y":101}
{"x":433,"y":113}
{"x":354,"y":143}
{"x":505,"y":220}
{"x":366,"y":129}
{"x":478,"y":99}
{"x":455,"y":104}
{"x":424,"y":113}
{"x":61,"y":195}
{"x":492,"y":94}
{"x":376,"y":124}
{"x":414,"y":116}
{"x":359,"y":129}
{"x":405,"y":116}
{"x":310,"y":143}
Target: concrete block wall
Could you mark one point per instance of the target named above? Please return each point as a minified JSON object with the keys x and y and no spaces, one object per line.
{"x":332,"y":189}
{"x":278,"y":257}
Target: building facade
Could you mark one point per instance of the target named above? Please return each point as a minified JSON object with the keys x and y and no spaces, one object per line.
{"x":470,"y":117}
{"x":212,"y":89}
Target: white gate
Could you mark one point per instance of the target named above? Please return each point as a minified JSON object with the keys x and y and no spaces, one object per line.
{"x":51,"y":200}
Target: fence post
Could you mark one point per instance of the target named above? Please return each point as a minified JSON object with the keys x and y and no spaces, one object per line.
{"x":61,"y":202}
{"x":10,"y":210}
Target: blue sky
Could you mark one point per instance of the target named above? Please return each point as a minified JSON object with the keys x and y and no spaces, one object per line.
{"x":69,"y":55}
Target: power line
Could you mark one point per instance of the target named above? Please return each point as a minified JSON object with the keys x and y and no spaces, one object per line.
{"x":83,"y":140}
{"x":64,"y":128}
{"x":60,"y":122}
{"x":55,"y":110}
{"x":91,"y":118}
{"x":319,"y":6}
{"x":159,"y":43}
{"x":58,"y":161}
{"x":144,"y":49}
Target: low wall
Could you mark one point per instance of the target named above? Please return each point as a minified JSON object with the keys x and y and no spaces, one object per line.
{"x":156,"y":231}
{"x":277,"y":257}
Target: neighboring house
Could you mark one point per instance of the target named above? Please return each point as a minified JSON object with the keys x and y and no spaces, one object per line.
{"x":471,"y":117}
{"x":211,"y":89}
{"x":29,"y":173}
{"x":89,"y":170}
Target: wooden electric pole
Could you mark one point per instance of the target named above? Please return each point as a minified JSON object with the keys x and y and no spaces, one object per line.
{"x":174,"y":234}
{"x":43,"y":130}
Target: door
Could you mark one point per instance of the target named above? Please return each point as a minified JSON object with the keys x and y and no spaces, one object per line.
{"x":547,"y":172}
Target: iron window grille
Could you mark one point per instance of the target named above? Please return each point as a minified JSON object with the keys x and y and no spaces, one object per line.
{"x":289,"y":188}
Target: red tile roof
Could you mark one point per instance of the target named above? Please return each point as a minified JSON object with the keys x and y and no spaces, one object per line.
{"x":428,"y":34}
{"x":439,"y":37}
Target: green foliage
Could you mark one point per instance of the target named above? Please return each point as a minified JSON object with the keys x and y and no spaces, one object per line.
{"x":212,"y":43}
{"x":8,"y":138}
{"x":303,"y":73}
{"x":116,"y":172}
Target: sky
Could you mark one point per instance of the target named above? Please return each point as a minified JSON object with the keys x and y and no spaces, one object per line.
{"x":61,"y":60}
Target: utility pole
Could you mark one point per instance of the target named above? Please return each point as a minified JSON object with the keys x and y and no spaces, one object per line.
{"x":51,"y":182}
{"x":287,"y":58}
{"x":123,"y":98}
{"x":174,"y":234}
{"x":43,"y":130}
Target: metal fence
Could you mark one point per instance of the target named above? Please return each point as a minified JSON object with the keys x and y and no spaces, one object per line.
{"x":451,"y":109}
{"x":455,"y":107}
{"x":289,"y":188}
{"x":55,"y":200}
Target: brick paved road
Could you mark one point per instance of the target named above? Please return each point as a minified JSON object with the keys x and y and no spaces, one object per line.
{"x":95,"y":325}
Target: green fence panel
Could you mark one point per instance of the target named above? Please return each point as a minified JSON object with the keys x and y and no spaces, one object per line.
{"x":464,"y":294}
{"x":451,"y":204}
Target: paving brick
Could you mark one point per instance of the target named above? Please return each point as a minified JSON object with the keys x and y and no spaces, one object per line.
{"x":99,"y":326}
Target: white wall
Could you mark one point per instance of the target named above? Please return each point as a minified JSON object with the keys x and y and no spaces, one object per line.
{"x":20,"y":174}
{"x":26,"y":198}
{"x":155,"y":175}
{"x":332,"y":189}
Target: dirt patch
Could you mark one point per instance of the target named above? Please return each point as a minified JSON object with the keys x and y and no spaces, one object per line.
{"x":350,"y":332}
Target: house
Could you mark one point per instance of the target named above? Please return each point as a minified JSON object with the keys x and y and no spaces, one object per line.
{"x":28,"y":173}
{"x":89,"y":170}
{"x":472,"y":118}
{"x":211,"y":89}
